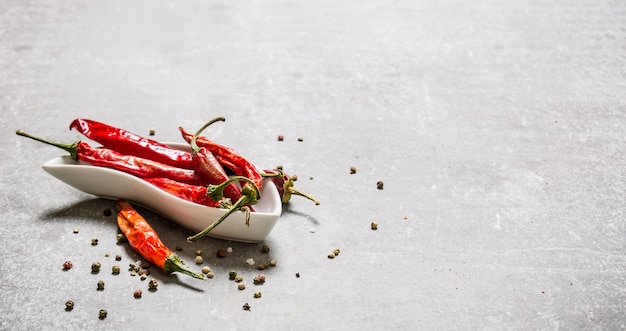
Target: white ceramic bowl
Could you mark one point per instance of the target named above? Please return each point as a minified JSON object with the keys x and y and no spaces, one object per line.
{"x":112,"y":184}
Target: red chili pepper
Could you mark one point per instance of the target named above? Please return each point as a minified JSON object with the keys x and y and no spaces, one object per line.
{"x":140,"y":167}
{"x":193,"y":193}
{"x":209,"y":169}
{"x":227,"y":157}
{"x":285,"y":185}
{"x":129,"y":143}
{"x":145,"y":241}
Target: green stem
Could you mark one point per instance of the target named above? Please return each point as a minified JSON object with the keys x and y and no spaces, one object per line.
{"x":70,"y":148}
{"x":194,"y":145}
{"x":244,"y":200}
{"x":216,"y":192}
{"x":174,"y":264}
{"x":302,"y":194}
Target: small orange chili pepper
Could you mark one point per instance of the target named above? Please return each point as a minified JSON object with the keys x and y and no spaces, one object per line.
{"x":144,"y":240}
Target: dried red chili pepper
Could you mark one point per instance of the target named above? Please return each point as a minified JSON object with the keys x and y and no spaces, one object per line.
{"x":227,"y":157}
{"x":285,"y":185}
{"x":145,"y":241}
{"x":140,"y":167}
{"x":209,"y":169}
{"x":192,"y":193}
{"x":129,"y":143}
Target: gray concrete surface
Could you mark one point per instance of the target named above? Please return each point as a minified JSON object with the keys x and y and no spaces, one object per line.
{"x":497,"y":128}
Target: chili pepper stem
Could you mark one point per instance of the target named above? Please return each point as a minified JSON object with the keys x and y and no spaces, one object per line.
{"x":174,"y":264}
{"x":250,"y":196}
{"x":237,"y":205}
{"x":70,"y":148}
{"x":302,"y":194}
{"x":194,"y":145}
{"x":216,"y":192}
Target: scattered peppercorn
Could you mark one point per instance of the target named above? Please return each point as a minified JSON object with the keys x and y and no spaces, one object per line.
{"x":265,"y":249}
{"x":221,"y":253}
{"x":241,"y":287}
{"x":259,"y":279}
{"x":229,"y":249}
{"x":106,"y":212}
{"x":257,"y":295}
{"x":153,"y":284}
{"x":352,"y":170}
{"x":152,"y":132}
{"x":198,"y":252}
{"x":100,"y":285}
{"x":297,"y":275}
{"x":75,"y":230}
{"x":336,"y":251}
{"x":206,"y":269}
{"x":199,"y":259}
{"x":67,"y":265}
{"x":94,"y":241}
{"x":374,"y":225}
{"x":143,"y":277}
{"x":300,"y":139}
{"x":281,"y":137}
{"x":246,"y":306}
{"x":95,"y":267}
{"x":118,"y":257}
{"x":238,"y":279}
{"x":102,"y":314}
{"x":379,"y":185}
{"x":120,"y":238}
{"x":69,"y":305}
{"x":115,"y":269}
{"x":272,"y":263}
{"x":261,"y":266}
{"x":210,"y":274}
{"x":331,"y":255}
{"x":232,"y":274}
{"x":137,"y":294}
{"x":179,"y":248}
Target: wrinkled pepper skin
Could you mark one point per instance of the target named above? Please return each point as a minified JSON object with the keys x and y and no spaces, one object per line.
{"x":128,"y":143}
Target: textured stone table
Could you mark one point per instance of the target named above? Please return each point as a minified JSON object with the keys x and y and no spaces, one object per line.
{"x":497,"y":128}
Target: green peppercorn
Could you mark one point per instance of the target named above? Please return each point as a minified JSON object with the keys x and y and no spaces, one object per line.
{"x":95,"y":267}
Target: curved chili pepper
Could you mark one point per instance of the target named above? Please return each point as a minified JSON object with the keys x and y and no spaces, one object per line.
{"x":192,"y":193}
{"x":129,"y":143}
{"x":285,"y":185}
{"x":145,"y":241}
{"x":227,"y":157}
{"x":140,"y":167}
{"x":209,"y":169}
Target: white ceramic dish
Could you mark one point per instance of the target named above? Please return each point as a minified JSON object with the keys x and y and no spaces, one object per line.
{"x":112,"y":184}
